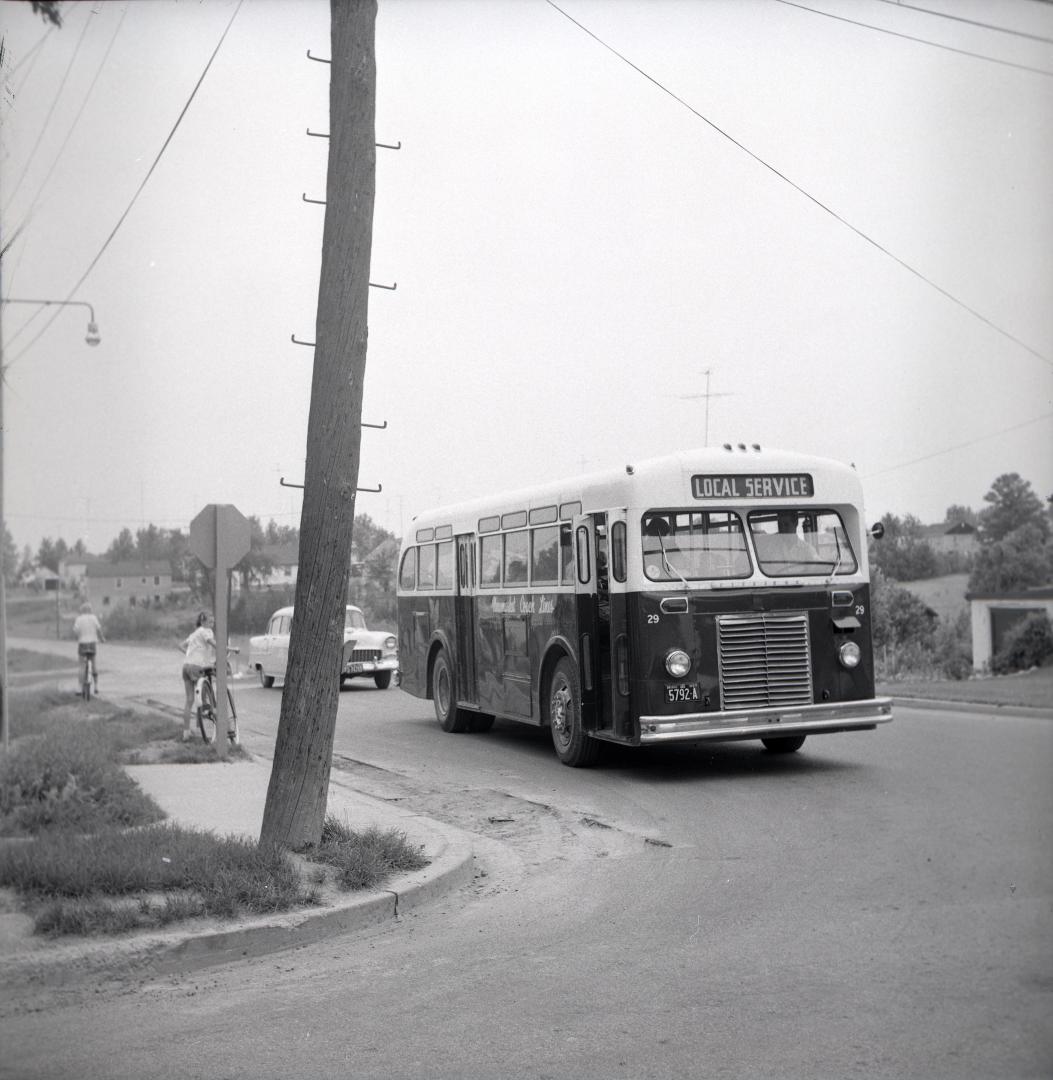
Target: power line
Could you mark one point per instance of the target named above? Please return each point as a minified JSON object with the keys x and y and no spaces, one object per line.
{"x":811,"y":198}
{"x":970,"y":22}
{"x":51,"y":110}
{"x":139,"y":190}
{"x":920,"y":41}
{"x":959,"y":446}
{"x":80,"y":112}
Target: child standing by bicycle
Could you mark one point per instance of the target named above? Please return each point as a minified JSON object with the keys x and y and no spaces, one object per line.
{"x":88,"y":630}
{"x":199,"y":650}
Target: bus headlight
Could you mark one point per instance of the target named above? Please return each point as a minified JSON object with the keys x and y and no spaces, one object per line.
{"x":677,"y":663}
{"x":849,"y":654}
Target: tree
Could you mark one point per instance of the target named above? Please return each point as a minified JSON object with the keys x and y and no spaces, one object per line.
{"x":149,"y":543}
{"x":256,"y":565}
{"x":48,"y":10}
{"x":903,"y":554}
{"x":960,"y":515}
{"x":123,"y":547}
{"x":51,"y":553}
{"x":299,"y":783}
{"x":1012,"y":503}
{"x":10,"y":557}
{"x":281,"y":534}
{"x":1020,"y":560}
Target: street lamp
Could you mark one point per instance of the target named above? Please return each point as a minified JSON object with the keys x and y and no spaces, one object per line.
{"x":92,"y":338}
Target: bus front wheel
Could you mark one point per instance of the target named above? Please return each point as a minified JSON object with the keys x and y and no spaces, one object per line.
{"x":786,"y":744}
{"x":574,"y":746}
{"x":443,"y":696}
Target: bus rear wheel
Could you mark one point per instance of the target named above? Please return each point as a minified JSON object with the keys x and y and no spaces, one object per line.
{"x":785,"y":744}
{"x":574,"y":746}
{"x":450,"y":718}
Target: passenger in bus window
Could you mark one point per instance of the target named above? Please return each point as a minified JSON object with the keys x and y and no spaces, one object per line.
{"x":783,"y":551}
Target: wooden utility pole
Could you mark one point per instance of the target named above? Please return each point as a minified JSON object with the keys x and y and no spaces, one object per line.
{"x":299,"y":785}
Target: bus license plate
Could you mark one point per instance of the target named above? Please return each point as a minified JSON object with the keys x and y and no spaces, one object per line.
{"x":682,"y":693}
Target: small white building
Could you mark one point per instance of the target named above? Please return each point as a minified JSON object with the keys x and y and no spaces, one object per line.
{"x":995,"y":614}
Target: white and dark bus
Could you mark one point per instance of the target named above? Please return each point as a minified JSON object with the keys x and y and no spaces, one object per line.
{"x":718,"y":594}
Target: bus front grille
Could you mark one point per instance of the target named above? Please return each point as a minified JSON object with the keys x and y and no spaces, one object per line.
{"x":765,"y":661}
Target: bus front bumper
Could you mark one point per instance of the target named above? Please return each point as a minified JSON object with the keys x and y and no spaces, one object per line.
{"x":766,"y":723}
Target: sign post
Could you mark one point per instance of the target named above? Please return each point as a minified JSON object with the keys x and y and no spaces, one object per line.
{"x":220,"y":536}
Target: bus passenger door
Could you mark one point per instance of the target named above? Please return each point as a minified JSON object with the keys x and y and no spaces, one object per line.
{"x":600,"y":550}
{"x":464,"y":615}
{"x":592,"y":585}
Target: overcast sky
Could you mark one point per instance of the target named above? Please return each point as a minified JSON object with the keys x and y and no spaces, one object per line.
{"x":852,"y":230}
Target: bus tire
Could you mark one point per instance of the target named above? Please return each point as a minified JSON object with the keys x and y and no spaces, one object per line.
{"x":785,"y":744}
{"x":480,"y":722}
{"x":574,"y":745}
{"x":266,"y":681}
{"x":444,"y":696}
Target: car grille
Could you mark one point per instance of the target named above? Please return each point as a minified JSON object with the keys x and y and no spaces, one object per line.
{"x":359,"y":656}
{"x":765,"y":660}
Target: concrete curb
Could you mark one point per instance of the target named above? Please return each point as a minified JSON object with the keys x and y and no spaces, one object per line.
{"x":971,"y":707}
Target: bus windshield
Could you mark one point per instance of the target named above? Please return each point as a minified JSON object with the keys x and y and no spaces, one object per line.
{"x":694,"y":545}
{"x":792,"y":543}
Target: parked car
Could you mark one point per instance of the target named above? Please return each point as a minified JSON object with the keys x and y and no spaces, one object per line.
{"x":370,"y":653}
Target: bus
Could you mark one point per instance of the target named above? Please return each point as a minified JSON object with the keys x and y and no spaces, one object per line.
{"x":717,"y":594}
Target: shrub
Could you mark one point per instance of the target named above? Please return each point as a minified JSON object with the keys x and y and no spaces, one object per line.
{"x":251,"y":610}
{"x":1029,"y":644}
{"x":954,"y":647}
{"x":132,"y":624}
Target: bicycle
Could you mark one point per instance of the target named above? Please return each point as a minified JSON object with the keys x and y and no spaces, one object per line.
{"x":205,"y":694}
{"x":87,"y":671}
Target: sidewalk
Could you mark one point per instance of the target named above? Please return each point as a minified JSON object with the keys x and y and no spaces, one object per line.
{"x":229,"y":799}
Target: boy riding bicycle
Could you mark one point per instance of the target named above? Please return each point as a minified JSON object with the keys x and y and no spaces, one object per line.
{"x":88,"y":630}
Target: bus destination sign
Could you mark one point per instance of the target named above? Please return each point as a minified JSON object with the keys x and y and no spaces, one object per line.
{"x":757,"y":486}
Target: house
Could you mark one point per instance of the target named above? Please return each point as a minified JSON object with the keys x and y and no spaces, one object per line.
{"x":285,"y":559}
{"x":995,"y":614}
{"x":958,"y":539}
{"x":134,"y":583}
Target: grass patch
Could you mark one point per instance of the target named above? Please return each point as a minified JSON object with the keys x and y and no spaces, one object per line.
{"x":21,"y":661}
{"x":364,"y":859}
{"x":115,"y":882}
{"x":64,"y":778}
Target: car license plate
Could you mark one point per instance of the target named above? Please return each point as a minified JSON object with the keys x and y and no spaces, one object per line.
{"x":356,"y":669}
{"x":682,"y":693}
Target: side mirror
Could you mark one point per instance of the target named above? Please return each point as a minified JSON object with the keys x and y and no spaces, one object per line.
{"x":877,"y":530}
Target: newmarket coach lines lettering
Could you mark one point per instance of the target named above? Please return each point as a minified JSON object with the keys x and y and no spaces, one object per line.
{"x":765,"y":486}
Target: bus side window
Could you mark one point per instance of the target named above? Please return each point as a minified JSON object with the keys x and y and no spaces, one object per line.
{"x":490,"y":560}
{"x":584,"y":569}
{"x":516,"y":544}
{"x":618,"y":550}
{"x":444,"y":574}
{"x":427,"y":567}
{"x":566,"y":554}
{"x":408,"y":573}
{"x":544,"y":561}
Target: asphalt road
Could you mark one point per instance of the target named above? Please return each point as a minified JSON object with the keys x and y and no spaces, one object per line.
{"x":878,"y":905}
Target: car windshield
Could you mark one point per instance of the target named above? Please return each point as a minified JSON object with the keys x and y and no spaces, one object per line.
{"x":796,"y":543}
{"x":354,"y":620}
{"x":685,"y":545}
